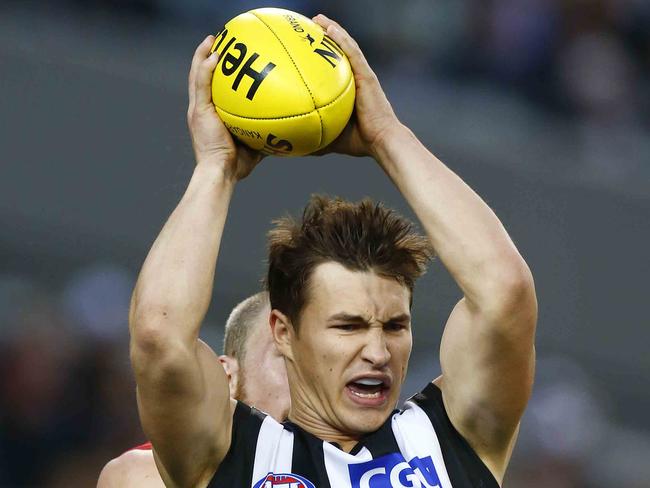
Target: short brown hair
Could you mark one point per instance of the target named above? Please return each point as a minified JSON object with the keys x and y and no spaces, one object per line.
{"x":361,"y":236}
{"x":240,"y":323}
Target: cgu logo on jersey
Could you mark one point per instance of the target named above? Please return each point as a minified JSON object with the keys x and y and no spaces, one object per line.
{"x":392,"y":471}
{"x":283,"y":480}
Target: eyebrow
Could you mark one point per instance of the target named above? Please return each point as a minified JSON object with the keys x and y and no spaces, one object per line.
{"x":346,"y":317}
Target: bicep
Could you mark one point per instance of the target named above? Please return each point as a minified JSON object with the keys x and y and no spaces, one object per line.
{"x":487,"y":372}
{"x":186,"y":412}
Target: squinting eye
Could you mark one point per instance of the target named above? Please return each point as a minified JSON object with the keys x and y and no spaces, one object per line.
{"x":395,"y":327}
{"x":346,"y":327}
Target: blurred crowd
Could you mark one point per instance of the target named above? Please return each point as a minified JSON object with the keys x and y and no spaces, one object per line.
{"x":583,"y":58}
{"x":581,"y":66}
{"x":67,"y":396}
{"x":573,"y":72}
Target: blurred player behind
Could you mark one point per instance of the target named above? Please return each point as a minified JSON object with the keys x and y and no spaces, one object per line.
{"x":256,"y":374}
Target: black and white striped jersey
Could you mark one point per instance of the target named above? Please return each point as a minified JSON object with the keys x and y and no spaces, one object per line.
{"x":416,"y":447}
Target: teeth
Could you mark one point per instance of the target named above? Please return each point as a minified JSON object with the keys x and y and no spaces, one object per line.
{"x":365,"y":395}
{"x":369,"y":382}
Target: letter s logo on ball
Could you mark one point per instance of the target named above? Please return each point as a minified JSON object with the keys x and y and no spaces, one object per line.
{"x":392,"y":471}
{"x":283,"y":480}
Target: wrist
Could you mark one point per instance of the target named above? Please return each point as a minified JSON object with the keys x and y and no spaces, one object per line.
{"x":390,"y":139}
{"x":215,"y":172}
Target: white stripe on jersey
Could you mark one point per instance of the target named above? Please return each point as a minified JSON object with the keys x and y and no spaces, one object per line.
{"x":335,"y":458}
{"x":274,"y":450}
{"x":415,"y":436}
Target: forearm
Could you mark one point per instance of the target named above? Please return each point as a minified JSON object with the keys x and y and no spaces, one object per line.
{"x":174,"y":288}
{"x":466,"y":234}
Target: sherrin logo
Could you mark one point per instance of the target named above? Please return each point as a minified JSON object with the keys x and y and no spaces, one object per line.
{"x":283,"y":480}
{"x":392,"y":471}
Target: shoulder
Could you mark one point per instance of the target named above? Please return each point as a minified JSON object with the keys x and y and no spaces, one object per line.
{"x":247,"y":421}
{"x":247,"y":425}
{"x":135,"y":468}
{"x":422,"y":415}
{"x":255,"y":435}
{"x":425,"y":422}
{"x":428,"y":399}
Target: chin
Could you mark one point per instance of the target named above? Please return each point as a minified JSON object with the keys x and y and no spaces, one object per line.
{"x":367,"y":414}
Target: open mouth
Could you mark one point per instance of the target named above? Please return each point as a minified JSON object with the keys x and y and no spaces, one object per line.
{"x":368,"y":391}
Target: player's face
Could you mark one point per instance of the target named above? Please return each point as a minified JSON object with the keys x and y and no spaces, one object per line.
{"x":262,"y":374}
{"x":352,"y":349}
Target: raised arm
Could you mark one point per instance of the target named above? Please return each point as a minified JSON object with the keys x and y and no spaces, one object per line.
{"x":183,"y":397}
{"x":487,"y":350}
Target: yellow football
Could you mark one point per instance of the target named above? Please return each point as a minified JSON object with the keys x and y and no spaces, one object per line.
{"x":281,"y":85}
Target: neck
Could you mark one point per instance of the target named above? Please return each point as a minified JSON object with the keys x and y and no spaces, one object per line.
{"x":312,"y":423}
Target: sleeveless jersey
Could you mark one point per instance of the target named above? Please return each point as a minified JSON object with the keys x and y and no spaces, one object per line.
{"x":417,"y":447}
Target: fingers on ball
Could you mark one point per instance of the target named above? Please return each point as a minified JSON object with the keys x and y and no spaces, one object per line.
{"x":339,"y":34}
{"x":202,"y":51}
{"x":351,"y":49}
{"x":200,"y":54}
{"x":204,"y":78}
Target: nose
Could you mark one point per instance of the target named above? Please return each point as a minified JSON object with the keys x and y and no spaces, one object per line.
{"x":375,"y":350}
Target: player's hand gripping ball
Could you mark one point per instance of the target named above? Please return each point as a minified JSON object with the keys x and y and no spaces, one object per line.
{"x":281,"y":85}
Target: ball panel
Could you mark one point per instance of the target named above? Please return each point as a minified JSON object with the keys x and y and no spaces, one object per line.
{"x":289,"y":136}
{"x":255,"y":77}
{"x":321,"y":62}
{"x":335,"y":116}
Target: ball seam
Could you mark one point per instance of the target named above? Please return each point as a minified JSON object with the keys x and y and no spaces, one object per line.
{"x":320,"y":119}
{"x":304,"y":114}
{"x":296,"y":116}
{"x":345,"y":90}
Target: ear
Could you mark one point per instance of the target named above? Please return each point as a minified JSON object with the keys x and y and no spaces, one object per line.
{"x":231,"y":367}
{"x":283,"y":333}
